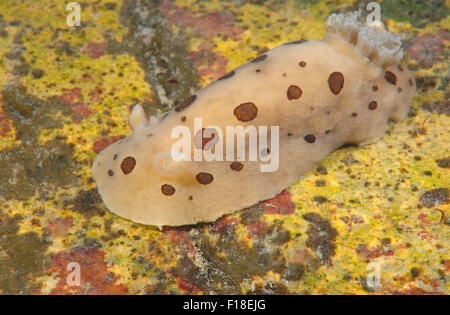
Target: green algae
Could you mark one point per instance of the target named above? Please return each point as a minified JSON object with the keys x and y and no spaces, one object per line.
{"x":435,"y":197}
{"x":162,"y":55}
{"x":321,"y":237}
{"x":31,"y":114}
{"x":216,"y":275}
{"x":45,"y":167}
{"x":36,"y":169}
{"x":416,"y":12}
{"x":88,"y":203}
{"x":444,"y":163}
{"x":22,"y":257}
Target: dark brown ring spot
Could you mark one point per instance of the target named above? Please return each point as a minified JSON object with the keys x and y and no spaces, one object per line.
{"x":110,"y":173}
{"x":294,"y":92}
{"x":167,"y":190}
{"x":204,"y":178}
{"x":128,"y":164}
{"x":302,"y":64}
{"x":336,"y":82}
{"x":201,"y":141}
{"x":310,"y":138}
{"x":390,"y":77}
{"x":375,"y":88}
{"x":227,"y":75}
{"x":186,"y":103}
{"x":373,"y":105}
{"x":246,"y":111}
{"x":258,"y":59}
{"x":237,"y":166}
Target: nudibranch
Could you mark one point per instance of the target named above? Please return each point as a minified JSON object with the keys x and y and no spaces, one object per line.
{"x":321,"y":94}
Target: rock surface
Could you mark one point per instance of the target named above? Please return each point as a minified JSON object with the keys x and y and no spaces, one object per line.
{"x":66,"y":92}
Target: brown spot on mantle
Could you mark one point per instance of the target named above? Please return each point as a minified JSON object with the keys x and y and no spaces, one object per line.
{"x":246,"y":111}
{"x":336,"y":82}
{"x":294,"y":92}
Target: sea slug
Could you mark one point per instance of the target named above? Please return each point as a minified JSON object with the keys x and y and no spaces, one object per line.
{"x":319,"y":94}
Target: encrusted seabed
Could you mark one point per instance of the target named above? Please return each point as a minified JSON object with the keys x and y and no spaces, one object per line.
{"x":66,"y":93}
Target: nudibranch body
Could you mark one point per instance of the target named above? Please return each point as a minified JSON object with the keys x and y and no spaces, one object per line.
{"x":321,"y":93}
